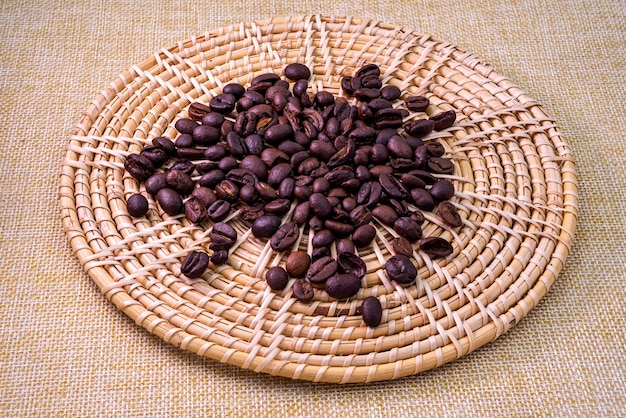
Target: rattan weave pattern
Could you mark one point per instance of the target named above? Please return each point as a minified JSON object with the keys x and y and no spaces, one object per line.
{"x":515,"y":186}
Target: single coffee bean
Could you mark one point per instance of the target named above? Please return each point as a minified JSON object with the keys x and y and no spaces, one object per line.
{"x":183,"y":165}
{"x":296,"y":71}
{"x":301,"y":213}
{"x":320,"y":205}
{"x":372,"y":311}
{"x":338,"y":228}
{"x":303,"y":291}
{"x":158,"y":156}
{"x":408,"y":228}
{"x":219,"y":257}
{"x":321,"y":269}
{"x":193,"y":154}
{"x":342,"y":286}
{"x":223,"y":236}
{"x":419,"y":127}
{"x":298,"y":263}
{"x":449,"y":214}
{"x":138,"y":166}
{"x":379,"y":169}
{"x":227,"y":190}
{"x":400,"y":269}
{"x":265,"y":191}
{"x":392,"y":186}
{"x":249,"y":213}
{"x":442,"y":190}
{"x":185,"y":125}
{"x":166,"y":144}
{"x":360,"y":215}
{"x":401,"y":245}
{"x":235,"y":89}
{"x":180,"y":181}
{"x":369,"y":194}
{"x":155,"y":182}
{"x":350,"y":263}
{"x":286,"y":188}
{"x":322,"y":238}
{"x":223,"y":103}
{"x":416,"y":103}
{"x":215,"y":152}
{"x":195,"y":211}
{"x":227,"y":163}
{"x":422,"y":199}
{"x":278,"y":133}
{"x":205,"y":195}
{"x":436,"y":246}
{"x":399,"y":148}
{"x":385,"y":214}
{"x":440,"y":165}
{"x":218,"y":210}
{"x":276,"y":278}
{"x":265,"y":226}
{"x":345,"y":245}
{"x":195,"y":264}
{"x":205,"y":135}
{"x":379,"y":154}
{"x":390,"y":92}
{"x":137,"y":205}
{"x":364,"y":235}
{"x":170,"y":201}
{"x":213,"y":119}
{"x":248,"y":194}
{"x":285,"y":237}
{"x":425,"y":176}
{"x":278,"y":206}
{"x":184,"y":141}
{"x":435,"y":149}
{"x":198,"y":110}
{"x":411,"y":181}
{"x":278,"y":173}
{"x":444,"y":120}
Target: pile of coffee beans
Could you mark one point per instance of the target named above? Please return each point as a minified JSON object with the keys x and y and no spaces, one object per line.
{"x":333,"y":164}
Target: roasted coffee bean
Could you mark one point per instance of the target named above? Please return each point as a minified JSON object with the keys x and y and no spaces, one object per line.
{"x":360,"y":215}
{"x":227,"y":190}
{"x":369,"y":194}
{"x":379,"y":169}
{"x":278,"y":206}
{"x":290,"y":148}
{"x":198,"y":110}
{"x":340,"y":175}
{"x":344,"y":155}
{"x":379,"y":154}
{"x":180,"y":181}
{"x":183,"y":165}
{"x":223,"y":103}
{"x":218,"y":210}
{"x":363,"y":235}
{"x":368,"y":70}
{"x":170,"y":201}
{"x":215,"y":152}
{"x":320,"y":252}
{"x":214,"y":119}
{"x":442,"y":190}
{"x":193,"y":154}
{"x":319,"y":205}
{"x":254,"y":144}
{"x":166,"y":144}
{"x":419,"y":127}
{"x":422,"y":199}
{"x":342,"y":286}
{"x":436,"y":246}
{"x":276,"y":278}
{"x":408,"y":228}
{"x":278,"y":173}
{"x":286,"y":188}
{"x":399,"y":148}
{"x":321,"y":269}
{"x":416,"y":103}
{"x":338,"y":228}
{"x":420,"y":156}
{"x":350,"y":263}
{"x":372,"y":311}
{"x":389,"y":118}
{"x":206,"y":135}
{"x":362,"y":174}
{"x":301,"y":213}
{"x":155,"y":182}
{"x":345,"y":245}
{"x":205,"y":195}
{"x":227,"y":163}
{"x":205,"y":166}
{"x":195,"y":264}
{"x":400,"y":269}
{"x":443,"y":120}
{"x":255,"y":165}
{"x":385,"y":214}
{"x":418,"y":216}
{"x":242,"y":176}
{"x":195,"y":211}
{"x":219,"y":257}
{"x":285,"y":237}
{"x":435,"y":149}
{"x":156,"y":155}
{"x":303,"y":291}
{"x":235,"y":89}
{"x":302,"y":193}
{"x":440,"y":165}
{"x":324,"y":98}
{"x":392,"y":186}
{"x":401,"y":245}
{"x":251,"y":213}
{"x":184,"y":141}
{"x":425,"y":176}
{"x":321,"y":149}
{"x":265,"y":226}
{"x":298,"y":263}
{"x":212,"y":178}
{"x":223,"y":236}
{"x":449,"y":214}
{"x":138,"y":166}
{"x":185,"y":125}
{"x":390,"y":93}
{"x":322,"y":238}
{"x":273,"y":156}
{"x":363,"y":135}
{"x":265,"y":191}
{"x":137,"y":205}
{"x":412,"y":182}
{"x":278,"y":133}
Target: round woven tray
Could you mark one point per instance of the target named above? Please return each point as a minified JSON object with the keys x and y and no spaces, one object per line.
{"x":515,"y":184}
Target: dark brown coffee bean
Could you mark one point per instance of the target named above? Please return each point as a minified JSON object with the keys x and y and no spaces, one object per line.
{"x":408,"y":228}
{"x":436,"y":247}
{"x":369,"y":194}
{"x":213,"y":119}
{"x":206,"y":135}
{"x":286,"y":188}
{"x":212,"y":178}
{"x":227,"y":190}
{"x":195,"y":211}
{"x":278,"y":173}
{"x":350,"y":263}
{"x":155,"y":182}
{"x":218,"y":210}
{"x":285,"y":237}
{"x":435,"y":149}
{"x":291,"y":147}
{"x":319,"y":205}
{"x":389,"y":118}
{"x":137,"y":205}
{"x":219,"y":257}
{"x":139,"y":166}
{"x":442,"y":190}
{"x":303,"y":291}
{"x":425,"y":176}
{"x":223,"y":103}
{"x":379,"y":169}
{"x":321,"y":269}
{"x":185,"y":125}
{"x":265,"y":226}
{"x":419,"y":127}
{"x":399,"y":148}
{"x":223,"y":236}
{"x":444,"y":120}
{"x":195,"y":264}
{"x":449,"y":214}
{"x":360,"y":215}
{"x":298,"y":263}
{"x":412,"y":182}
{"x":338,"y":228}
{"x":183,"y":165}
{"x":215,"y":152}
{"x":170,"y":201}
{"x":192,"y":154}
{"x":345,"y":245}
{"x":249,"y":214}
{"x":340,"y":175}
{"x":205,"y":195}
{"x":363,"y":135}
{"x":422,"y":199}
{"x":273,"y":156}
{"x":180,"y":181}
{"x":416,"y":103}
{"x":166,"y":144}
{"x":400,"y":269}
{"x":372,"y":311}
{"x":227,"y":163}
{"x":420,"y":156}
{"x":385,"y":214}
{"x":155,"y":154}
{"x":322,"y":238}
{"x":363,"y":235}
{"x":242,"y":176}
{"x":401,"y":245}
{"x":198,"y":110}
{"x":265,"y":191}
{"x":278,"y":206}
{"x":321,"y":149}
{"x":390,"y":93}
{"x":184,"y":141}
{"x":278,"y":133}
{"x":301,"y":213}
{"x":342,"y":286}
{"x":344,"y":155}
{"x":276,"y":278}
{"x":392,"y":186}
{"x":235,"y":89}
{"x":440,"y":165}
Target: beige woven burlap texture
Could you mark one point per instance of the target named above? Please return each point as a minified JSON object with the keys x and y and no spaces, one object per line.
{"x":66,"y":350}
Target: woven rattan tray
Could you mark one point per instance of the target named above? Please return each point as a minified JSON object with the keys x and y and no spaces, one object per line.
{"x":515,"y":186}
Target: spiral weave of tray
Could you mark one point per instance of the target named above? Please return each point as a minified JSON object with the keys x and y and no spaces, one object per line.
{"x":515,"y":185}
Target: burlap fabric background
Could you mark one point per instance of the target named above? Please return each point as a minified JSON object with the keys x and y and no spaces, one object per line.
{"x":66,"y":351}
